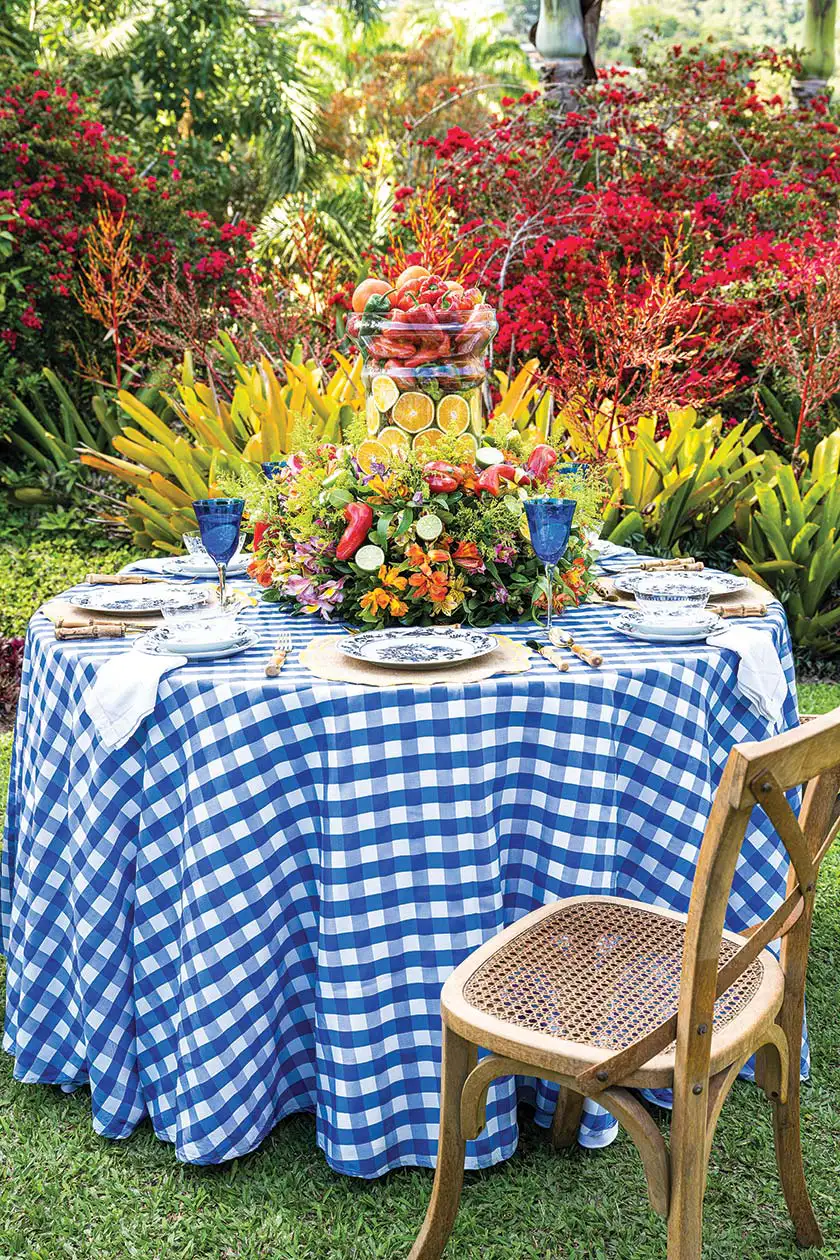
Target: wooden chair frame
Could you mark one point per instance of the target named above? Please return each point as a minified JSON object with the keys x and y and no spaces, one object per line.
{"x":699,"y":1071}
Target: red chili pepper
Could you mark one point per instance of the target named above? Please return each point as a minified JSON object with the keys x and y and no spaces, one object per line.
{"x":359,"y":518}
{"x":441,"y":466}
{"x":491,"y":477}
{"x":439,"y":483}
{"x":541,"y":460}
{"x":443,"y":478}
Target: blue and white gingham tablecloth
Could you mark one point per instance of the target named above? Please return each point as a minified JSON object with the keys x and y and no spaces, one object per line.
{"x":249,"y":910}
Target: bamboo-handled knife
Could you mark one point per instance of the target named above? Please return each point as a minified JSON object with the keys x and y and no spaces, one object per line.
{"x":547,"y":653}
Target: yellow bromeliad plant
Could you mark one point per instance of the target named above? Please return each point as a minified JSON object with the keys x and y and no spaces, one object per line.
{"x":169,"y":467}
{"x":687,"y":482}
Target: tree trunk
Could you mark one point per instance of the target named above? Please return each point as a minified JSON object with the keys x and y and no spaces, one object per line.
{"x":818,"y":40}
{"x":591,"y":22}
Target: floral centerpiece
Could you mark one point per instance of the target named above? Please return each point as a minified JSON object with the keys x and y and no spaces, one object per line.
{"x":382,"y":535}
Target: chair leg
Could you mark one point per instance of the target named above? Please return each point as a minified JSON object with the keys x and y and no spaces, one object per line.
{"x":788,"y":1142}
{"x":688,"y":1175}
{"x":566,"y":1122}
{"x":459,"y":1058}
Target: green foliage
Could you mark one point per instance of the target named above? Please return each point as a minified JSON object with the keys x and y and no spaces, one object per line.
{"x":29,"y":575}
{"x":50,"y":428}
{"x":627,"y":24}
{"x":791,"y":540}
{"x":685,"y":485}
{"x":211,"y":436}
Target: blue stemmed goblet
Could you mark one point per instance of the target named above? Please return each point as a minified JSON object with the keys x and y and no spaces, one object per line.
{"x":271,"y":468}
{"x":219,"y":522}
{"x":550,"y":524}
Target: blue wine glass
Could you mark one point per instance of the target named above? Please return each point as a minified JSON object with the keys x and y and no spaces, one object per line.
{"x":272,"y":467}
{"x":550,"y":524}
{"x":219,"y":521}
{"x":572,"y":470}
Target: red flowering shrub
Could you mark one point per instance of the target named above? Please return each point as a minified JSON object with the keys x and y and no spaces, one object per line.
{"x":58,"y":167}
{"x":693,"y":154}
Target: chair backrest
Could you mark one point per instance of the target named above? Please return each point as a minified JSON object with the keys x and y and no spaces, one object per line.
{"x":755,"y":775}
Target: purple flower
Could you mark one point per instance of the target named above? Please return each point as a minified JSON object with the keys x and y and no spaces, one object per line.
{"x":500,"y":594}
{"x":417,"y":498}
{"x":504,"y":554}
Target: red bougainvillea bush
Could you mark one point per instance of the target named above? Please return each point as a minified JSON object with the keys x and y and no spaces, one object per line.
{"x":651,"y":230}
{"x":58,"y":168}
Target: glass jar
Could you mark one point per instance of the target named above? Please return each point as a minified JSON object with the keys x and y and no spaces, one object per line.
{"x":423,"y":374}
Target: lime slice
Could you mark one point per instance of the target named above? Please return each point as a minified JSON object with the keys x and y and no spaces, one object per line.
{"x":513,"y":503}
{"x":384,"y":391}
{"x":429,"y":527}
{"x":487,"y":456}
{"x":369,"y":558}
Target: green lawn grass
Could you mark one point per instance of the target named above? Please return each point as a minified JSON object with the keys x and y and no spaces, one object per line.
{"x":66,"y":1194}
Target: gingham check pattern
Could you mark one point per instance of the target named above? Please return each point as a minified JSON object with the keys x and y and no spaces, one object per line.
{"x":249,"y":910}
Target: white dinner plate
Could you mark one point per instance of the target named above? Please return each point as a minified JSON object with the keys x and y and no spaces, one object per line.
{"x":156,"y":644}
{"x":638,"y":626}
{"x":154,"y":597}
{"x":718,"y":583}
{"x":189,"y":567}
{"x":418,"y":647}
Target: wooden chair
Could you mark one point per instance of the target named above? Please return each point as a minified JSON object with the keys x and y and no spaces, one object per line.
{"x":605,"y":995}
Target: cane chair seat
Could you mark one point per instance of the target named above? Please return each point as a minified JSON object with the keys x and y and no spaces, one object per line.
{"x":590,"y":976}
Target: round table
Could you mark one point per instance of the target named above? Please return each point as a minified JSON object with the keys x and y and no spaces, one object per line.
{"x":249,"y":909}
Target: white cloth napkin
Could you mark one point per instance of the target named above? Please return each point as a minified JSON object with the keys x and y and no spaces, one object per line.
{"x":125,"y":691}
{"x":761,"y":679}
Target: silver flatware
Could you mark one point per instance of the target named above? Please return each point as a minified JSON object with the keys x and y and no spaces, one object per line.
{"x":548,"y":655}
{"x":561,"y":638}
{"x":277,"y":660}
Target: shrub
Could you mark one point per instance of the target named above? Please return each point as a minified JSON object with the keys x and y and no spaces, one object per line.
{"x":31,"y":575}
{"x":60,"y":169}
{"x":552,"y":207}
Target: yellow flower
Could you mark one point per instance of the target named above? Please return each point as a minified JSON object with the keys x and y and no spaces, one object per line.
{"x":398,"y":608}
{"x":375,"y":599}
{"x":392,"y":577}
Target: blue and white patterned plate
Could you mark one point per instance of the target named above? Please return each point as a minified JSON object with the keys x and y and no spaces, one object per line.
{"x":189,"y":567}
{"x":668,"y":628}
{"x":718,"y":583}
{"x":156,"y":597}
{"x":418,"y":647}
{"x":158,"y":643}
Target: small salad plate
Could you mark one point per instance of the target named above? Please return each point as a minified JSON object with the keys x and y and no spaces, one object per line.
{"x":684,"y":629}
{"x":162,"y":642}
{"x":418,"y":647}
{"x":194,"y":567}
{"x":156,"y":597}
{"x":717,"y":582}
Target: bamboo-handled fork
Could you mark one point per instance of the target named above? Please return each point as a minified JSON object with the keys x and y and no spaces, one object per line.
{"x":277,"y":660}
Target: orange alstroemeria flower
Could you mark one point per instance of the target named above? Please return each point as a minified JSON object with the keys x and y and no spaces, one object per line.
{"x":392,"y":577}
{"x":398,"y":608}
{"x":375,"y":599}
{"x":466,"y":554}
